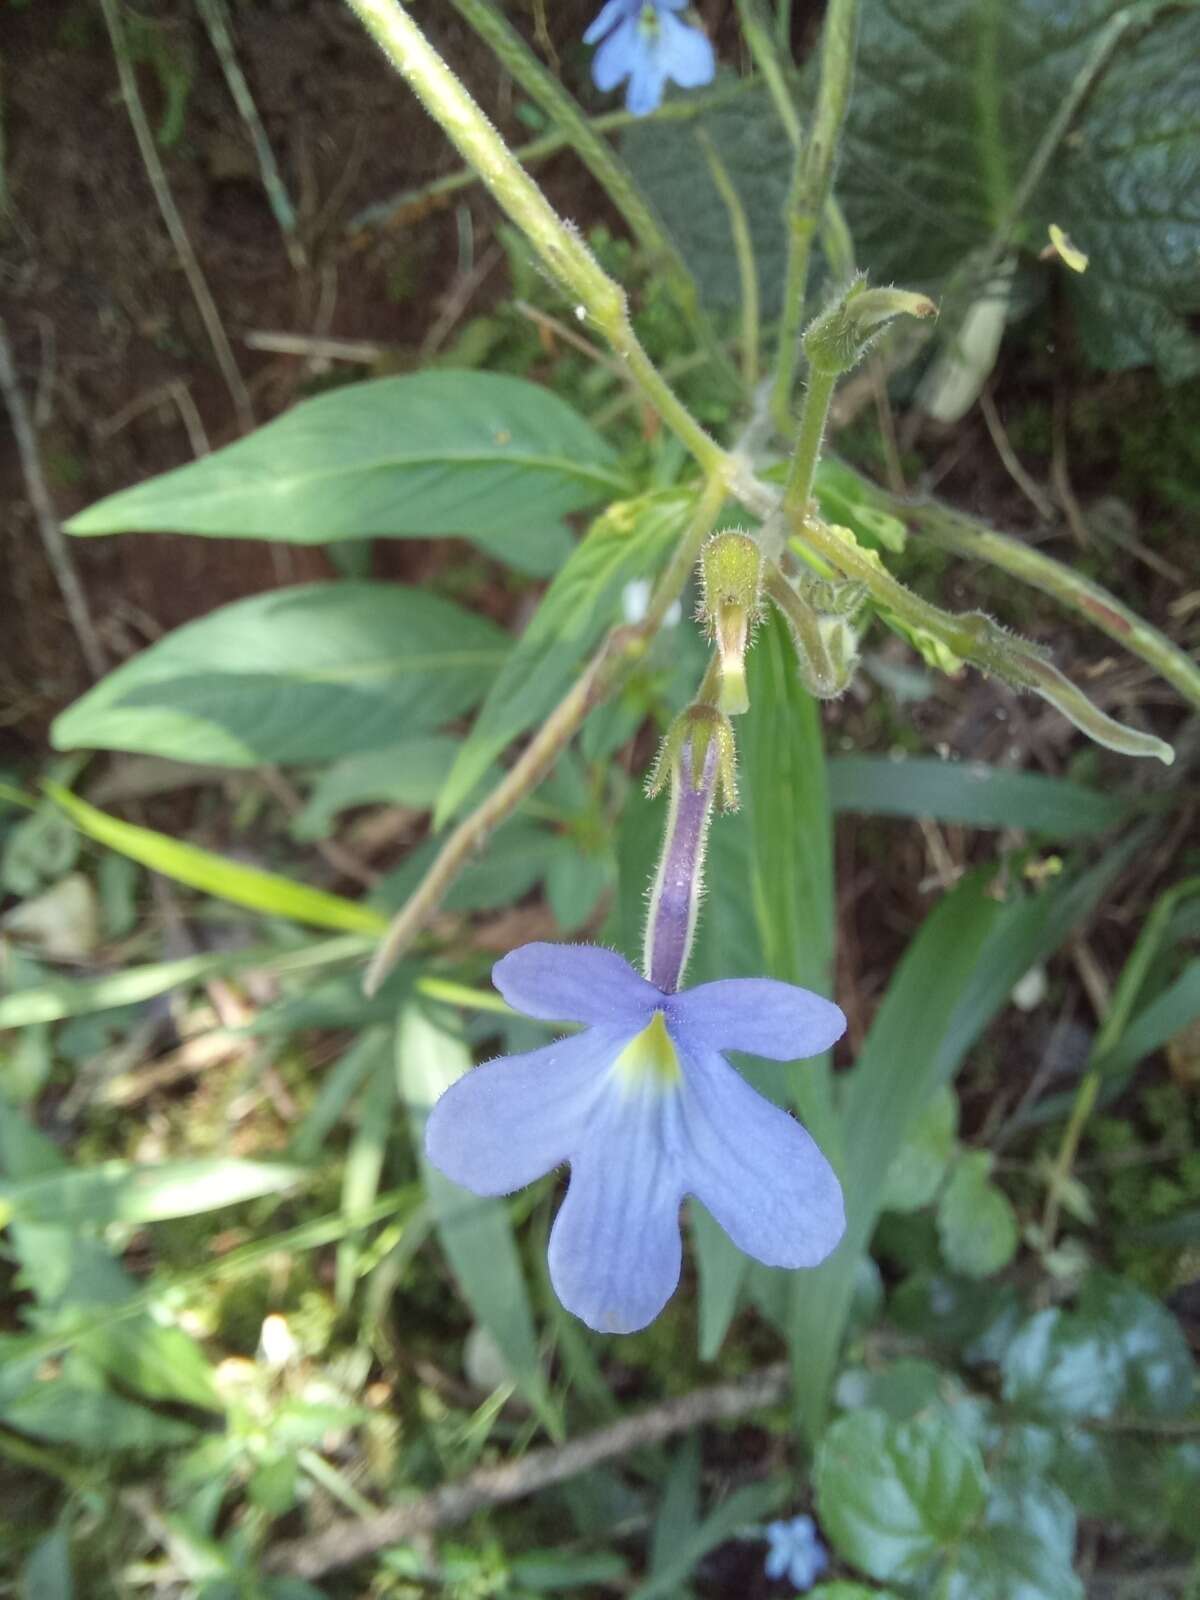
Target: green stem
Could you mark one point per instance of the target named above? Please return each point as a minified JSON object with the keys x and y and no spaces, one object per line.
{"x":743,"y":247}
{"x":766,"y":59}
{"x":687,"y":109}
{"x":608,"y":170}
{"x":834,"y":230}
{"x":560,"y":247}
{"x":812,"y":175}
{"x":620,"y":648}
{"x":966,"y":537}
{"x":803,"y":471}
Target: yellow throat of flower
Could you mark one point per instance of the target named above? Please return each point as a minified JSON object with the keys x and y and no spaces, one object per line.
{"x":649,"y":1061}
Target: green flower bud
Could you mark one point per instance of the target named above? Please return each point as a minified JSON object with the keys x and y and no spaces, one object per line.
{"x":731,"y":577}
{"x":842,"y":334}
{"x":685,"y":750}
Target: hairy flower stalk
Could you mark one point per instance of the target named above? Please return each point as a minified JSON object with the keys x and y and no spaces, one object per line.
{"x":697,"y":756}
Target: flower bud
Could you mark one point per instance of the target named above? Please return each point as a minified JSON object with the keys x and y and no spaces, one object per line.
{"x":697,"y":756}
{"x":824,"y":634}
{"x":841,"y":335}
{"x":731,"y":575}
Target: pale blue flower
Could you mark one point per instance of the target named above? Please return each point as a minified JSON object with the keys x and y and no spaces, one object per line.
{"x":647,"y":43}
{"x":645,"y":1108}
{"x":796,"y":1553}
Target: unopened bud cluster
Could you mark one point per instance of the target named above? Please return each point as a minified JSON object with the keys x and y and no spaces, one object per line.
{"x":821,"y":616}
{"x":731,"y":580}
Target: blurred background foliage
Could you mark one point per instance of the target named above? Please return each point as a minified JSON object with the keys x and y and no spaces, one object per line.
{"x":249,"y":1336}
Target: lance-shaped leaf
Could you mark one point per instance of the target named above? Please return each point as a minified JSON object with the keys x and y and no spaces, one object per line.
{"x":491,"y":457}
{"x":305,"y":674}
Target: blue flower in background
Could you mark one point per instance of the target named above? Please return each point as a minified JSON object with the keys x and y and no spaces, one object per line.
{"x":647,"y":43}
{"x":646,"y":1110}
{"x":796,"y":1553}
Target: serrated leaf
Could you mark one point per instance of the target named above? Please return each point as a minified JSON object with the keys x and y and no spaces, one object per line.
{"x":628,"y":541}
{"x":455,"y":452}
{"x":951,"y":101}
{"x":976,"y":1224}
{"x":137,"y":1192}
{"x":916,"y":1173}
{"x":893,"y":1496}
{"x":309,"y":673}
{"x":1022,"y":1551}
{"x":1120,"y":1350}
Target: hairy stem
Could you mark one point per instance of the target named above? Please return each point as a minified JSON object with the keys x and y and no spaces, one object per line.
{"x":621,"y":647}
{"x":604,"y":165}
{"x":812,"y":176}
{"x":813,"y":417}
{"x":967,"y":537}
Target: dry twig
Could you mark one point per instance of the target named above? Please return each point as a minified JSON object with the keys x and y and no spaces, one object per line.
{"x":53,"y":538}
{"x":346,"y":1541}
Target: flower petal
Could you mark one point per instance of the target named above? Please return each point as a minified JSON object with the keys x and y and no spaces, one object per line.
{"x":613,"y":12}
{"x":756,"y":1169}
{"x":508,"y":1122}
{"x":614,"y":1248}
{"x":618,"y":56}
{"x":686,"y":55}
{"x":647,"y":78}
{"x":575,"y":983}
{"x":758,"y":1015}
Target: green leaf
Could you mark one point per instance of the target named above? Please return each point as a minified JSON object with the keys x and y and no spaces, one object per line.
{"x":916,"y":1172}
{"x":849,"y":1591}
{"x":62,"y":997}
{"x":309,"y":673}
{"x":409,"y":774}
{"x":132,"y":1192}
{"x":951,"y":100}
{"x":976,"y":1224}
{"x":475,"y":1233}
{"x":956,"y":974}
{"x":893,"y":1496}
{"x":365,"y":1157}
{"x":472,"y":453}
{"x":268,"y":892}
{"x":91,"y":1419}
{"x":1022,"y":1551}
{"x":669,"y":165}
{"x":46,"y":1574}
{"x":955,"y":99}
{"x":746,"y":1505}
{"x":1121,"y":1350}
{"x":1168,"y":1014}
{"x":972,"y":793}
{"x":628,"y":541}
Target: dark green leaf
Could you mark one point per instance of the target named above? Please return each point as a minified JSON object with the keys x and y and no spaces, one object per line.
{"x":1121,"y":1350}
{"x":916,"y":1172}
{"x":304,"y":674}
{"x":1022,"y":1551}
{"x":976,"y":1224}
{"x":91,"y":1419}
{"x":972,"y":793}
{"x":474,"y":453}
{"x":893,"y":1496}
